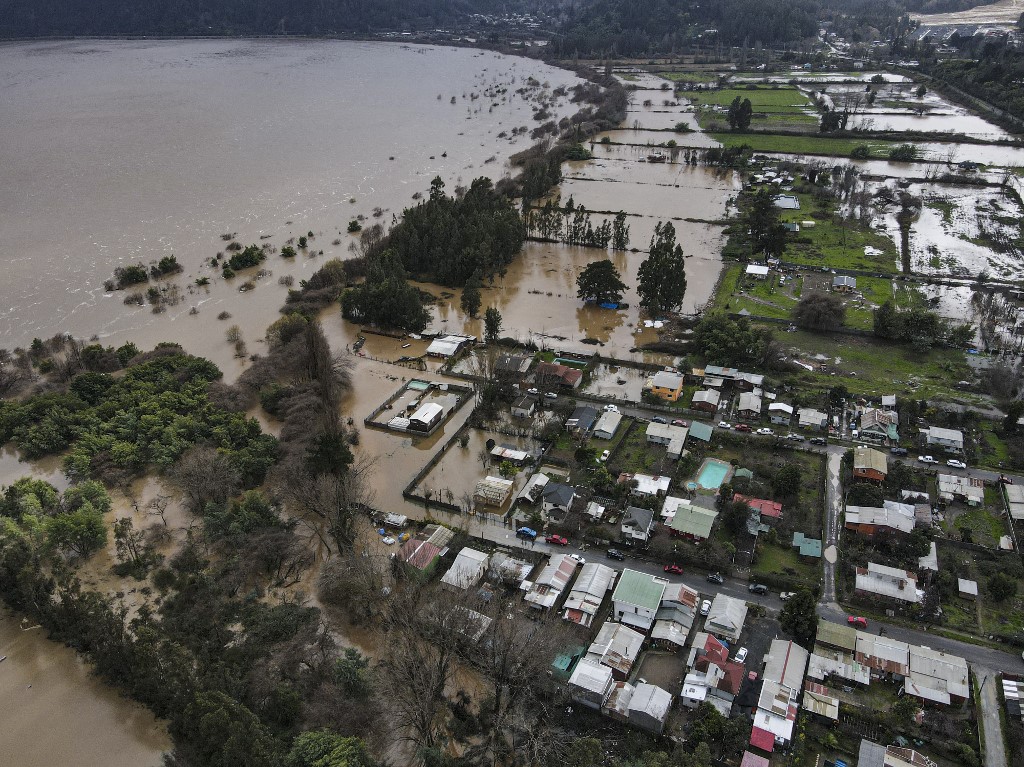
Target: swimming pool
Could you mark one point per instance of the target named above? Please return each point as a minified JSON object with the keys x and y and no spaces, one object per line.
{"x":713,"y":473}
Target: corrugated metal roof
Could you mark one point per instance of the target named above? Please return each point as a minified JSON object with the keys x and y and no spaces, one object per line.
{"x":640,"y":589}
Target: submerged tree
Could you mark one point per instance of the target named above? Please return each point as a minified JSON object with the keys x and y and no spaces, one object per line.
{"x":661,"y":281}
{"x":599,"y":281}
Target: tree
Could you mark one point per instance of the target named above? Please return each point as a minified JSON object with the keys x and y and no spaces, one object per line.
{"x":385,"y":298}
{"x":820,"y":311}
{"x":799,"y":617}
{"x":661,"y":280}
{"x":1001,"y":586}
{"x":599,"y":281}
{"x":322,"y":748}
{"x":81,"y":532}
{"x":1014,"y":411}
{"x":492,"y":324}
{"x":620,"y":232}
{"x":744,"y":115}
{"x":786,"y":482}
{"x":764,"y":224}
{"x":470,"y":300}
{"x":205,"y":475}
{"x":904,"y":711}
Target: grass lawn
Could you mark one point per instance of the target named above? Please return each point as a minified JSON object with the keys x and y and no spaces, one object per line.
{"x":1005,"y":617}
{"x":690,"y":77}
{"x":816,"y":145}
{"x":775,"y":559}
{"x":960,"y":614}
{"x":986,"y":528}
{"x":997,"y":452}
{"x":781,"y":99}
{"x":635,"y":455}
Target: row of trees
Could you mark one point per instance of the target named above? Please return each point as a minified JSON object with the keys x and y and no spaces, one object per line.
{"x":572,"y":225}
{"x":920,"y":328}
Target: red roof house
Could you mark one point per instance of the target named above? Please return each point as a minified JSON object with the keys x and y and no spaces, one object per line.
{"x":770,"y":509}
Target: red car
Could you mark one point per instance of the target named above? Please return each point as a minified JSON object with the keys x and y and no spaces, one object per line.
{"x":674,"y":569}
{"x":742,"y":427}
{"x":680,"y":422}
{"x":557,"y":540}
{"x":857,"y":621}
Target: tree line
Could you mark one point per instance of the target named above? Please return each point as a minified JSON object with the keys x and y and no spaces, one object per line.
{"x":571,"y":224}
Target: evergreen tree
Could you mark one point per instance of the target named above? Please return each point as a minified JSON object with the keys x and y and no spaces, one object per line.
{"x":662,"y":276}
{"x":492,"y":324}
{"x":620,"y":232}
{"x":600,"y":282}
{"x":470,"y":301}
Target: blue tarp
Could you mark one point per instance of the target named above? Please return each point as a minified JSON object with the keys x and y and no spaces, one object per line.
{"x":608,"y":305}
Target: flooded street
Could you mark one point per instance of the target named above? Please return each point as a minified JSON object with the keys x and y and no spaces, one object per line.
{"x":55,"y":712}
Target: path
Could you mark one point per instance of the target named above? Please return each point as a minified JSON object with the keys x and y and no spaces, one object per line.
{"x":992,"y":725}
{"x":833,"y":507}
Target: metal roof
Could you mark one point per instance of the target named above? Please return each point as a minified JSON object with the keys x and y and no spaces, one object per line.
{"x":640,"y":589}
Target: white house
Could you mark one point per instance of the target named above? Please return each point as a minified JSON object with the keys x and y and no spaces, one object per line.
{"x":649,"y":706}
{"x":638,"y":524}
{"x":726,"y":618}
{"x":467,"y":569}
{"x":549,"y":585}
{"x":583,"y":602}
{"x":950,"y":440}
{"x":780,"y":413}
{"x":523,"y":407}
{"x":757,"y":271}
{"x":591,"y":683}
{"x":607,"y":425}
{"x":616,"y":646}
{"x":812,"y":419}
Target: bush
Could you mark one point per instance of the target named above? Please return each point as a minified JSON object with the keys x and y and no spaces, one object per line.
{"x":860,"y":152}
{"x":354,"y":226}
{"x":578,"y":152}
{"x":903,"y":153}
{"x":130,"y":275}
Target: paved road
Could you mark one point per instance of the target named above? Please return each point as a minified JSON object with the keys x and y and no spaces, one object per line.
{"x":833,"y":508}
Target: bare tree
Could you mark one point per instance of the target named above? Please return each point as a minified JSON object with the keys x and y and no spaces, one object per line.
{"x":205,"y":476}
{"x":329,"y":504}
{"x":158,"y":507}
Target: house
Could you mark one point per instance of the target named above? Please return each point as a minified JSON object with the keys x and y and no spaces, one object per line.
{"x":888,"y":402}
{"x":836,"y":635}
{"x":637,"y":524}
{"x":879,"y":425}
{"x":582,"y":421}
{"x":706,"y":400}
{"x":950,"y":440}
{"x":557,"y":498}
{"x":646,"y":484}
{"x":700,"y":431}
{"x":783,"y":679}
{"x":549,"y":585}
{"x":809,"y":418}
{"x":422,"y":551}
{"x":871,"y":521}
{"x":967,"y":589}
{"x":747,"y":381}
{"x":807,"y":547}
{"x":843,"y":284}
{"x":523,"y":407}
{"x":749,"y":407}
{"x":675,"y":617}
{"x":637,"y":597}
{"x":666,"y":384}
{"x":787,"y":202}
{"x":512,"y":366}
{"x":889,"y":583}
{"x":448,"y":346}
{"x":753,"y":760}
{"x":673,"y":437}
{"x":767,"y":509}
{"x":552,"y":375}
{"x":1015,"y":500}
{"x":970,"y":490}
{"x":616,"y":646}
{"x":589,"y":591}
{"x":591,"y":683}
{"x":883,"y":655}
{"x":502,"y":453}
{"x":937,"y":677}
{"x":648,"y":707}
{"x":873,"y":755}
{"x":820,"y":701}
{"x":508,"y":569}
{"x":869,"y":464}
{"x":467,"y":570}
{"x":688,"y":520}
{"x":786,"y":663}
{"x":534,"y":488}
{"x":780,"y":413}
{"x":726,"y":618}
{"x":595,"y":511}
{"x":493,"y":491}
{"x":757,"y":271}
{"x":607,"y":425}
{"x":426,"y":418}
{"x":828,"y":664}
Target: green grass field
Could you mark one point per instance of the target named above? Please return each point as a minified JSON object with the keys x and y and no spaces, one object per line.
{"x":785,"y":99}
{"x":810,"y":144}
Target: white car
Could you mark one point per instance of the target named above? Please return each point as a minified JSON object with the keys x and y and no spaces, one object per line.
{"x":724,"y":425}
{"x":611,"y":408}
{"x":741,"y":655}
{"x":795,"y":437}
{"x":579,"y":560}
{"x":705,"y":607}
{"x":926,"y":459}
{"x":956,"y":464}
{"x":387,"y":540}
{"x":605,"y":455}
{"x":550,"y":395}
{"x":533,"y":391}
{"x":786,"y":595}
{"x":765,"y":431}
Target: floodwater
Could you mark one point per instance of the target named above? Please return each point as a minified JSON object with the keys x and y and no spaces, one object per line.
{"x":57,"y":713}
{"x":1002,"y":13}
{"x":116,"y":152}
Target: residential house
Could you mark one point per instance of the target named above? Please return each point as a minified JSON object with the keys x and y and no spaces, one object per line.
{"x":508,"y":570}
{"x":616,"y":646}
{"x":786,"y":663}
{"x":809,"y":418}
{"x":700,"y":431}
{"x":809,"y":548}
{"x":880,"y":426}
{"x":422,"y":551}
{"x":549,"y":585}
{"x":757,"y":271}
{"x":844,"y":284}
{"x":783,"y":679}
{"x":646,"y":484}
{"x":675,"y":617}
{"x":869,"y":464}
{"x":747,"y":381}
{"x":888,"y":583}
{"x":836,"y":635}
{"x":523,"y":407}
{"x":591,"y":683}
{"x":467,"y":570}
{"x":753,"y":760}
{"x":582,"y":421}
{"x":686,"y":519}
{"x":637,"y":597}
{"x":873,"y":755}
{"x":787,"y":202}
{"x":594,"y":511}
{"x":749,"y":407}
{"x":969,"y":490}
{"x":820,"y":701}
{"x":768,"y":510}
{"x":673,"y":437}
{"x":588,"y":592}
{"x":448,"y":346}
{"x":871,"y":521}
{"x":427,"y":418}
{"x":557,"y":499}
{"x":534,"y":488}
{"x":607,"y":425}
{"x":637,"y":524}
{"x":649,"y":707}
{"x":780,"y":413}
{"x":501,"y":453}
{"x":888,"y":402}
{"x":937,"y":677}
{"x":512,"y":367}
{"x":828,"y":664}
{"x":667,"y":385}
{"x":493,"y":491}
{"x":706,"y":400}
{"x":886,"y":657}
{"x":550,"y":375}
{"x":1015,"y":500}
{"x":949,"y":440}
{"x":726,"y":618}
{"x":967,"y":589}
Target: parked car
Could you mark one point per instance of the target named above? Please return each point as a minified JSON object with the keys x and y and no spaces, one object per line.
{"x":550,"y":395}
{"x":956,"y":464}
{"x":857,"y":621}
{"x":605,"y":455}
{"x":786,"y":595}
{"x":705,"y":607}
{"x":658,"y":419}
{"x":715,"y":578}
{"x":526,"y":533}
{"x":898,"y":451}
{"x":1005,"y":479}
{"x":533,"y":391}
{"x":741,"y":655}
{"x":680,"y":422}
{"x":673,"y":569}
{"x":818,"y":441}
{"x":926,"y":459}
{"x":765,"y":431}
{"x":796,"y":437}
{"x":615,"y":554}
{"x":387,"y":540}
{"x":579,"y":560}
{"x":757,"y":588}
{"x":557,"y":540}
{"x":742,"y":427}
{"x":611,"y":408}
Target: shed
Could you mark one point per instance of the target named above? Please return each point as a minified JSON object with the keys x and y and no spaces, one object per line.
{"x":759,"y":271}
{"x":467,"y":569}
{"x":968,"y":589}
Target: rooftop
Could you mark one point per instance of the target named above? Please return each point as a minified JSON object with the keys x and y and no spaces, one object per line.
{"x":640,"y":589}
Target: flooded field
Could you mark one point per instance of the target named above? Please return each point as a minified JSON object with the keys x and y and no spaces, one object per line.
{"x":1004,"y":13}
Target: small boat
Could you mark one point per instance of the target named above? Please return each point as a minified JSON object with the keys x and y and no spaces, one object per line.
{"x":406,"y":346}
